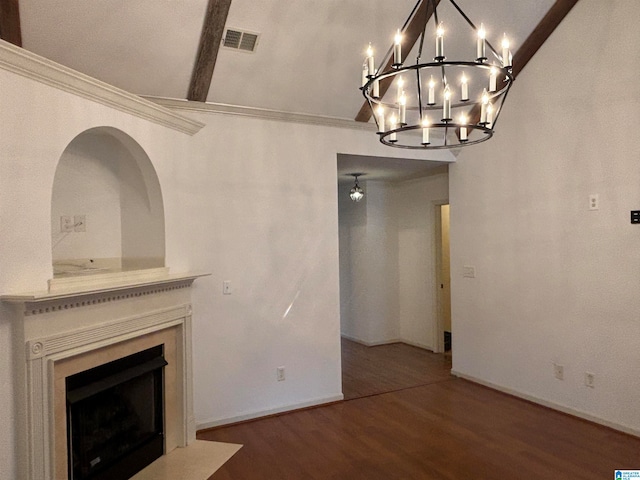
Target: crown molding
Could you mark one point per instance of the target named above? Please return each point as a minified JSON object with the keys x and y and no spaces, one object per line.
{"x":40,"y":69}
{"x":263,"y":113}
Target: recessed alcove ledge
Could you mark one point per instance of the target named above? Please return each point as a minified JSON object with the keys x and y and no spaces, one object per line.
{"x":74,"y":292}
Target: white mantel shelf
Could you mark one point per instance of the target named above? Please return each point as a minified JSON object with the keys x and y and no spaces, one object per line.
{"x":88,"y":290}
{"x":106,"y":315}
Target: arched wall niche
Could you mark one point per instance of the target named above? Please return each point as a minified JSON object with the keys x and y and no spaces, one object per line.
{"x":105,"y":178}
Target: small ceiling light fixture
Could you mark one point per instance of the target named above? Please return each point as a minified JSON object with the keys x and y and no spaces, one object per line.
{"x":357,"y":193}
{"x":457,"y":101}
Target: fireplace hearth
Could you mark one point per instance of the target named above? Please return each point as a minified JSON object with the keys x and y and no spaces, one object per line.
{"x":65,"y":333}
{"x":115,"y":422}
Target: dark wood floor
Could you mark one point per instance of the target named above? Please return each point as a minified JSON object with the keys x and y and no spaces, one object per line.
{"x":444,"y":428}
{"x":387,"y":368}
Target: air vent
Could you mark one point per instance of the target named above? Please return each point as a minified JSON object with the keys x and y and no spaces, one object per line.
{"x":240,"y":40}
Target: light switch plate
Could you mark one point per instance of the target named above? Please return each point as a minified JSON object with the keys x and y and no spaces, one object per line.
{"x":79,"y":223}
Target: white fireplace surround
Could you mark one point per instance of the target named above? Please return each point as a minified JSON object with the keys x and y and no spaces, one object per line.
{"x":57,"y":326}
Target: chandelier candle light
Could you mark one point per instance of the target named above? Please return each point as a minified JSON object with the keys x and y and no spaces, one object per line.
{"x":442,"y":103}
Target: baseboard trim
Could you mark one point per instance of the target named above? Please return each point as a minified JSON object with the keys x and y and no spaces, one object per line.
{"x":388,"y":342}
{"x":371,"y":344}
{"x":266,"y":413}
{"x":418,"y":345}
{"x":552,"y":405}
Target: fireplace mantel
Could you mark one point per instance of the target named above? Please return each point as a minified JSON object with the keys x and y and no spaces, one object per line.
{"x":68,"y":292}
{"x":88,"y":315}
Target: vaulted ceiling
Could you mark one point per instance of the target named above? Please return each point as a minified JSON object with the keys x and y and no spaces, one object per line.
{"x":308,"y":57}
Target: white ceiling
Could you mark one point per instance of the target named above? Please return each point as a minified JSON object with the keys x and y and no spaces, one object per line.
{"x":308,"y":59}
{"x":384,"y":168}
{"x":143,"y":46}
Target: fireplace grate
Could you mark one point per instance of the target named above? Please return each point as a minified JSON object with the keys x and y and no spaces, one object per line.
{"x":115,"y":417}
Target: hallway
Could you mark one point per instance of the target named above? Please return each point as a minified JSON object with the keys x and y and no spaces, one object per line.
{"x":387,"y":368}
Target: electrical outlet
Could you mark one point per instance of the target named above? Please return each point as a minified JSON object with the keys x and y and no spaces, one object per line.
{"x":590,"y":379}
{"x":280,"y":374}
{"x":66,"y":224}
{"x":558,"y":371}
{"x":79,"y":223}
{"x":594,"y":201}
{"x":226,"y":287}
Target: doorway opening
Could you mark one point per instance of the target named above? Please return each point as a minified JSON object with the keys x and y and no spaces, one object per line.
{"x":387,"y":258}
{"x":443,"y":279}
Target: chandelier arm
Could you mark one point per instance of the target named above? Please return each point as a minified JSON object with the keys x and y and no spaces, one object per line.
{"x":435,"y":14}
{"x":444,"y":76}
{"x":389,"y":53}
{"x":421,"y":42}
{"x":488,"y":133}
{"x":406,"y":22}
{"x":437,"y":22}
{"x":386,"y":59}
{"x":493,"y":50}
{"x":419,"y":92}
{"x":474,"y":114}
{"x":464,"y":15}
{"x":387,"y":77}
{"x":387,"y":56}
{"x":495,"y":120}
{"x":424,"y":30}
{"x":375,"y":117}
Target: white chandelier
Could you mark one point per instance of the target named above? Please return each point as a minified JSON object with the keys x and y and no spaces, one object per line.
{"x":442,"y":103}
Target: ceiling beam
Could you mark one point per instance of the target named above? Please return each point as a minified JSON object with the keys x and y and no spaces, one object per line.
{"x":534,"y":41}
{"x":10,"y":22}
{"x":541,"y":33}
{"x":210,"y":39}
{"x":409,"y":38}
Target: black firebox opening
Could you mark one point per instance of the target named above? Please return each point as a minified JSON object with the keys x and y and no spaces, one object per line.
{"x":115,"y":416}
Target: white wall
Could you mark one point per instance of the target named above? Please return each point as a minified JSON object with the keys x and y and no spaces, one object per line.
{"x":99,"y":176}
{"x":266,"y":220}
{"x":352,"y":229}
{"x":555,"y":281}
{"x":388,"y":262}
{"x":39,"y":122}
{"x":369,"y":264}
{"x":253,"y":201}
{"x":87,"y":183}
{"x":416,"y":212}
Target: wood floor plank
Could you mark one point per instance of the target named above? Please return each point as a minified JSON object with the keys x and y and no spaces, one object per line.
{"x":386,"y":368}
{"x":447,"y":429}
